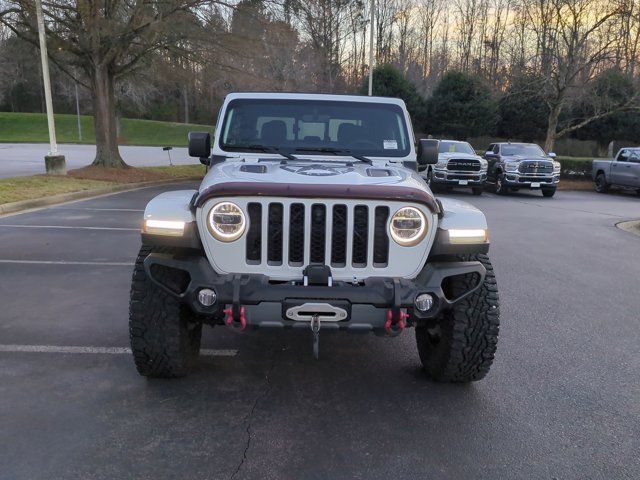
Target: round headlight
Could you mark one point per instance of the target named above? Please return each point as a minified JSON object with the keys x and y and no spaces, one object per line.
{"x":408,"y":226}
{"x":226,"y":221}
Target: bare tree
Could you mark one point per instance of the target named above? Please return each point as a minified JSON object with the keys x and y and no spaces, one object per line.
{"x":106,"y":41}
{"x":576,"y":40}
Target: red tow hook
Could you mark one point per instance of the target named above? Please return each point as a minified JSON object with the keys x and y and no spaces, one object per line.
{"x":395,"y":326}
{"x":231,"y":322}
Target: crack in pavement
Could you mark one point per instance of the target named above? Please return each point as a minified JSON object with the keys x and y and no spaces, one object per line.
{"x":249,"y":418}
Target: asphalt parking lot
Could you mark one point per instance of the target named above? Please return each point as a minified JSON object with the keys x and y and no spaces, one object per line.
{"x":560,"y":402}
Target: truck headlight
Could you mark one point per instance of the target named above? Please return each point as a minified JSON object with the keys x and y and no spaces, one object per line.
{"x":442,"y":164}
{"x":227,"y":221}
{"x":408,"y":226}
{"x":483,"y":165}
{"x":557,"y":166}
{"x":511,"y":167}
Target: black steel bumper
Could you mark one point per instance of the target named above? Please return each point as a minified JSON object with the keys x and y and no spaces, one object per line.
{"x":266,"y":302}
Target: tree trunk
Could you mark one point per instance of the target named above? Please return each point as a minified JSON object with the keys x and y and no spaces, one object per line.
{"x":552,"y":127}
{"x":104,"y":118}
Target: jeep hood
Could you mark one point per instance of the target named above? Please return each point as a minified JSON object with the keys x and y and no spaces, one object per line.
{"x":349,"y":179}
{"x":458,"y":156}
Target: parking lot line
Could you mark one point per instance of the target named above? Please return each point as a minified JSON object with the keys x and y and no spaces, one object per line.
{"x":99,"y":350}
{"x":65,"y":262}
{"x":67,"y":227}
{"x":99,"y":209}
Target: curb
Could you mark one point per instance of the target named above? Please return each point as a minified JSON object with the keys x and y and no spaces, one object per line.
{"x":631,"y":226}
{"x":30,"y":204}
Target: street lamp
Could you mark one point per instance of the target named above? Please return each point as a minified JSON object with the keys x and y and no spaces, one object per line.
{"x":54,"y":162}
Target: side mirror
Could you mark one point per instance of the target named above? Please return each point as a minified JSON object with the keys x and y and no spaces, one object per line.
{"x":428,"y":151}
{"x":551,"y":155}
{"x":488,"y":154}
{"x":200,"y":145}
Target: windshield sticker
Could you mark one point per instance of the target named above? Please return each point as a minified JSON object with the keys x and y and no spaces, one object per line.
{"x":390,"y":144}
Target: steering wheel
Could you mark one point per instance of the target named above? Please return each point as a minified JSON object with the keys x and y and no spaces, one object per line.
{"x":363,"y":144}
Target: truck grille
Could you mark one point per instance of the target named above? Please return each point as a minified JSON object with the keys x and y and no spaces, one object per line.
{"x":338,"y":235}
{"x":463,"y":165}
{"x":536,"y":167}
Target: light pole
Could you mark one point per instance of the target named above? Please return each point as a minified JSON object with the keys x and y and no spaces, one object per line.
{"x":78,"y":112}
{"x":54,"y":162}
{"x":373,"y":4}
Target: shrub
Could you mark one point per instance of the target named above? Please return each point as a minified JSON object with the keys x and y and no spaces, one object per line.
{"x":575,"y":167}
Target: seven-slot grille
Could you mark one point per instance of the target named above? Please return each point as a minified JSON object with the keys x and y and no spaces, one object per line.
{"x":463,"y":165}
{"x":337,"y":235}
{"x":536,"y":167}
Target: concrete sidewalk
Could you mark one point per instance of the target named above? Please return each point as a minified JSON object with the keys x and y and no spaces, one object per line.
{"x":21,"y":159}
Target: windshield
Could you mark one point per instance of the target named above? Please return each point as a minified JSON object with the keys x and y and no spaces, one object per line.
{"x":315,"y":127}
{"x":456,"y":147}
{"x":524,"y":150}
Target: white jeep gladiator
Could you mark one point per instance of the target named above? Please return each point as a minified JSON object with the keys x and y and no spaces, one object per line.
{"x":313,"y":216}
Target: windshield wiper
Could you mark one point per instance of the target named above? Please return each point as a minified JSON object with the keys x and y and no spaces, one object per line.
{"x":261,"y":148}
{"x":335,"y":151}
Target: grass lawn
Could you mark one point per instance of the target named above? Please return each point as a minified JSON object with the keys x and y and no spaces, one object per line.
{"x":32,"y":127}
{"x":38,"y":186}
{"x":87,"y":178}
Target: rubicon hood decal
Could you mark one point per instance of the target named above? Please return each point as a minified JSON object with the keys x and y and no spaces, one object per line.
{"x":316,"y":170}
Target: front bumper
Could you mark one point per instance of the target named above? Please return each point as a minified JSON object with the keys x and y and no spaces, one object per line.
{"x":531,"y":181}
{"x":266,"y":303}
{"x":458,"y":178}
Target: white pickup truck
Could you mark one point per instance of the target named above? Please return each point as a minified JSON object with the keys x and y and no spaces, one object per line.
{"x":313,"y":216}
{"x":623,"y":171}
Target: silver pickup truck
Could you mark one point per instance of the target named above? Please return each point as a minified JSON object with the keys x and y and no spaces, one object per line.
{"x":623,"y":171}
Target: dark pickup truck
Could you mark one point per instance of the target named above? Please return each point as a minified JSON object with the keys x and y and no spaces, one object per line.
{"x":623,"y":171}
{"x":521,"y":166}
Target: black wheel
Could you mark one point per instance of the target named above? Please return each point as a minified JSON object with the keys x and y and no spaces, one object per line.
{"x":477,"y":190}
{"x":461,"y":345}
{"x":548,"y":192}
{"x":164,"y":334}
{"x":501,"y":189}
{"x":601,"y":183}
{"x":435,"y":188}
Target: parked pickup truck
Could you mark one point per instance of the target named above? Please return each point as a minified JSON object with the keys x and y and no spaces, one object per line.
{"x":458,"y":165}
{"x":518,"y":166}
{"x":623,"y":171}
{"x":313,"y":217}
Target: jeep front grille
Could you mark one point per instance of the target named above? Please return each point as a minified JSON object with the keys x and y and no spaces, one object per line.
{"x":316,"y":249}
{"x":285,"y":235}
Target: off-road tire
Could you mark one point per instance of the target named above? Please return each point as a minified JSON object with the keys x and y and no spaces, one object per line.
{"x":601,"y":183}
{"x":477,"y":190}
{"x":435,"y":188}
{"x":548,"y":192}
{"x":500,"y":188}
{"x":462,"y":345}
{"x":165,"y":336}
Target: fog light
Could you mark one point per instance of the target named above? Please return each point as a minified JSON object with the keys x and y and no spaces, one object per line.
{"x":423,"y":302}
{"x":207,"y":297}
